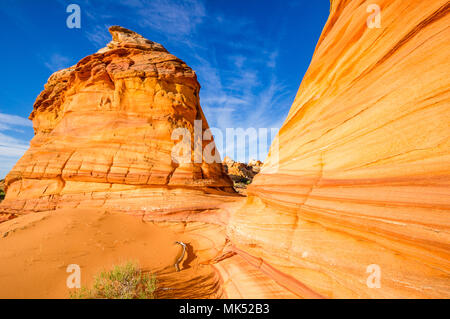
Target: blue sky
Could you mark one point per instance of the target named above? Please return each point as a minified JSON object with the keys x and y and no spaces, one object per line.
{"x":249,"y":55}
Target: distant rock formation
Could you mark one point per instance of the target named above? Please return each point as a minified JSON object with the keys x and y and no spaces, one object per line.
{"x":356,"y":201}
{"x":240,"y":173}
{"x":103,"y":132}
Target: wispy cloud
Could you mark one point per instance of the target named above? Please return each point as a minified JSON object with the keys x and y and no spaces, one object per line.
{"x":271,"y":62}
{"x":235,"y":62}
{"x":11,"y":147}
{"x":99,"y":35}
{"x":243,"y":94}
{"x":57,"y":62}
{"x":174,"y":18}
{"x":10,"y":122}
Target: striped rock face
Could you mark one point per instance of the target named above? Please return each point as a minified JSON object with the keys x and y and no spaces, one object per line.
{"x":354,"y":199}
{"x":103,"y":131}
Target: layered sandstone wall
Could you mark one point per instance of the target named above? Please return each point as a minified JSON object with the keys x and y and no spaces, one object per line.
{"x":355,"y":188}
{"x":358,"y":179}
{"x":103,"y":133}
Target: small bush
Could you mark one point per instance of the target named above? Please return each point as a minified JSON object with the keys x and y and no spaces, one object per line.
{"x":2,"y":195}
{"x":122,"y":282}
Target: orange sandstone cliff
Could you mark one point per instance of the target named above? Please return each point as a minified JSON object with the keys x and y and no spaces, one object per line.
{"x":354,"y":198}
{"x":103,"y":134}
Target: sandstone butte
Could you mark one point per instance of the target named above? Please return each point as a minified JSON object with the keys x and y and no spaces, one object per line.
{"x":356,"y":181}
{"x":103,"y":133}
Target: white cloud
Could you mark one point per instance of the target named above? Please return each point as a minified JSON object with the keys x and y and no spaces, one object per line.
{"x":242,"y":97}
{"x":57,"y":62}
{"x":175,"y":18}
{"x":99,"y":36}
{"x":235,"y":62}
{"x":238,"y":60}
{"x":11,"y":148}
{"x":132,"y":3}
{"x":229,"y":101}
{"x":271,"y":63}
{"x":6,"y":165}
{"x":9,"y":120}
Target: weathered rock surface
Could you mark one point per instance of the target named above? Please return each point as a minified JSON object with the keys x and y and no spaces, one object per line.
{"x":362,"y":174}
{"x":103,"y":133}
{"x":358,"y":179}
{"x":241,"y":174}
{"x":3,"y":217}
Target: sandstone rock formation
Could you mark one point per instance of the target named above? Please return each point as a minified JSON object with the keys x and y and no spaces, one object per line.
{"x":255,"y":165}
{"x":353,"y":200}
{"x":360,"y":184}
{"x":3,"y":217}
{"x":240,"y":173}
{"x":103,"y":134}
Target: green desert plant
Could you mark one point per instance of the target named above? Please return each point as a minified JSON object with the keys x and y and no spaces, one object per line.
{"x":2,"y":190}
{"x":124,"y":281}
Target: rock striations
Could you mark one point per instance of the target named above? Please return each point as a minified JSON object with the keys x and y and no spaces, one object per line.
{"x":103,"y":133}
{"x":355,"y":201}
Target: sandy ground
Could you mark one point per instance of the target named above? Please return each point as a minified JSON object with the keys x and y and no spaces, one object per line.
{"x":36,"y":249}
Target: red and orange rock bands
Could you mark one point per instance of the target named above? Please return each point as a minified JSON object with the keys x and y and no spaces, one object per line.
{"x":358,"y":176}
{"x":103,"y":131}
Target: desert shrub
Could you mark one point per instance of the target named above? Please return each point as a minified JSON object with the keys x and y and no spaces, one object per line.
{"x":2,"y":190}
{"x":239,"y":179}
{"x":122,"y":282}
